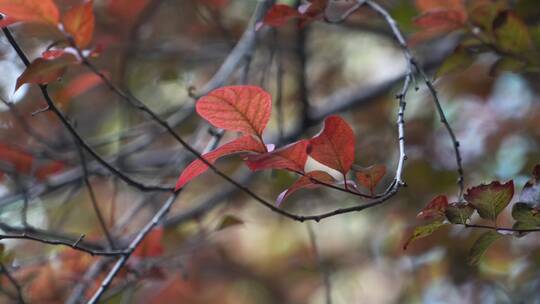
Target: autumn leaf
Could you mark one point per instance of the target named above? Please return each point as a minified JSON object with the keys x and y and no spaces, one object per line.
{"x":422,"y":232}
{"x":278,"y":15}
{"x":432,"y":5}
{"x":77,"y":86}
{"x":291,"y":157}
{"x":490,"y":200}
{"x":242,"y":144}
{"x":371,"y":176}
{"x":481,"y":245}
{"x":237,"y":108}
{"x":334,"y":145}
{"x":20,"y":160}
{"x":447,"y":19}
{"x":307,"y":181}
{"x":46,"y":170}
{"x":151,"y":246}
{"x":43,"y":71}
{"x":126,"y":11}
{"x":39,"y":11}
{"x":511,"y":33}
{"x":434,"y":209}
{"x":459,"y":213}
{"x":79,"y":23}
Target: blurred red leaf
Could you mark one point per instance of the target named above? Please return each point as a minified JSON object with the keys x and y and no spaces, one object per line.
{"x":371,"y":176}
{"x":431,"y":5}
{"x":151,"y":246}
{"x":279,"y":14}
{"x":20,"y":160}
{"x":77,"y":86}
{"x":307,"y":181}
{"x":53,"y":54}
{"x":126,"y":10}
{"x":237,"y":108}
{"x":435,"y":208}
{"x":242,"y":144}
{"x":334,"y":145}
{"x":40,"y":11}
{"x":79,"y":23}
{"x":291,"y":157}
{"x":490,"y":200}
{"x":44,"y":171}
{"x":43,"y":71}
{"x":444,"y":19}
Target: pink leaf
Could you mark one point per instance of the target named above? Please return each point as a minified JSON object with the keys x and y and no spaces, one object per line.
{"x":237,"y":108}
{"x":334,"y":145}
{"x":307,"y":181}
{"x":291,"y":157}
{"x":242,"y":144}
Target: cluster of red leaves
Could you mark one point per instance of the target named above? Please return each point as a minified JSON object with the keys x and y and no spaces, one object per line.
{"x":77,"y":24}
{"x":26,"y":164}
{"x":280,"y":14}
{"x":246,"y":109}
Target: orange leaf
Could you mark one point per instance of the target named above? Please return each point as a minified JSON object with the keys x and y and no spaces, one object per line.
{"x":197,"y":167}
{"x":371,"y":176}
{"x":42,"y":71}
{"x":292,"y":157}
{"x":237,"y":108}
{"x":307,"y":181}
{"x":334,"y":145}
{"x":79,"y":23}
{"x":40,"y":11}
{"x":430,"y":5}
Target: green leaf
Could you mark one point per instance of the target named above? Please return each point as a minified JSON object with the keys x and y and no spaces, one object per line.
{"x":522,"y":226}
{"x":460,"y":59}
{"x":481,"y":245}
{"x":229,"y":221}
{"x":526,"y":214}
{"x":511,"y":33}
{"x":459,"y":213}
{"x":490,"y":200}
{"x":423,"y":231}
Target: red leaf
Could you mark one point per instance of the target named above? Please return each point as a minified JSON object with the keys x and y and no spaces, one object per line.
{"x":490,"y":200}
{"x":20,"y":160}
{"x":79,"y":23}
{"x":237,"y":108}
{"x":49,"y":169}
{"x":430,"y":5}
{"x":42,"y":71}
{"x":444,"y":19}
{"x":279,"y":14}
{"x":435,"y":208}
{"x":307,"y":181}
{"x":53,"y":54}
{"x":371,"y":176}
{"x":334,"y":145}
{"x":242,"y":144}
{"x":126,"y":11}
{"x":77,"y":86}
{"x":41,"y":11}
{"x":151,"y":246}
{"x":291,"y":157}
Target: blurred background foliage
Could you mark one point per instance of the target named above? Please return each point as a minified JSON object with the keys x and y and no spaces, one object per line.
{"x":238,"y":252}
